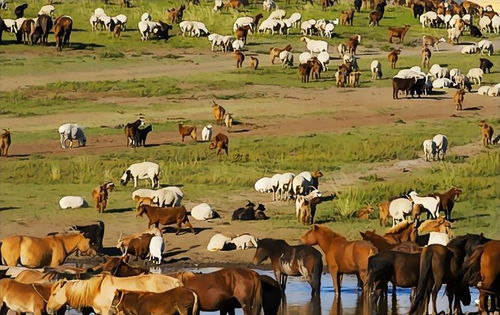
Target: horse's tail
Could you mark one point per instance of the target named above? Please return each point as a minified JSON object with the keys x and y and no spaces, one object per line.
{"x":471,"y":268}
{"x":196,"y":304}
{"x":257,"y":295}
{"x":424,"y":287}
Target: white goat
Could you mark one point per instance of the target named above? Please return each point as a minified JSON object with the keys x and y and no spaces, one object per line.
{"x":156,"y":247}
{"x":71,"y":132}
{"x":430,"y":204}
{"x":206,"y":133}
{"x":429,"y":149}
{"x":376,"y":68}
{"x":441,"y":145}
{"x":315,"y":46}
{"x":143,"y":170}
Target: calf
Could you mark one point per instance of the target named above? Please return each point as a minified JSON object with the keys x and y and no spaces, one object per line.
{"x":240,"y":57}
{"x":5,"y":143}
{"x":485,"y":64}
{"x":459,"y":99}
{"x":186,"y":131}
{"x":398,"y":32}
{"x":399,"y":84}
{"x":166,"y":216}
{"x":94,"y":232}
{"x":221,"y":142}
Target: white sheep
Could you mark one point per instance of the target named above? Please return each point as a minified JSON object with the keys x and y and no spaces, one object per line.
{"x":376,"y":69}
{"x":438,"y":72}
{"x":475,"y":75}
{"x":493,"y":91}
{"x":218,"y":5}
{"x":263,"y":185}
{"x":429,"y":149}
{"x":407,"y":74}
{"x":144,"y":17}
{"x":170,"y":196}
{"x":454,"y":72}
{"x":307,"y":27}
{"x":268,"y":5}
{"x":286,"y":59}
{"x":454,"y":35}
{"x":99,"y":12}
{"x":243,"y":21}
{"x":47,"y":10}
{"x":199,"y":29}
{"x":156,"y":247}
{"x":483,"y":90}
{"x":144,"y":193}
{"x":216,"y":40}
{"x":429,"y":19}
{"x":72,"y":202}
{"x":497,"y":86}
{"x":469,"y":49}
{"x":186,"y":27}
{"x":495,"y":24}
{"x":71,"y":132}
{"x":94,"y":21}
{"x":295,"y":19}
{"x":237,"y":44}
{"x":300,"y":200}
{"x":304,"y":57}
{"x":203,"y":212}
{"x":274,"y":183}
{"x":399,"y":209}
{"x":324,"y":59}
{"x":11,"y":25}
{"x":328,"y":30}
{"x":269,"y":25}
{"x":217,"y":242}
{"x":244,"y":241}
{"x":143,"y":170}
{"x":285,"y":188}
{"x":315,"y":46}
{"x":206,"y":133}
{"x":277,"y":15}
{"x":442,"y":83}
{"x":121,"y":19}
{"x":441,"y":145}
{"x":302,"y":183}
{"x":146,"y":28}
{"x":485,"y":24}
{"x":227,"y":42}
{"x":485,"y":46}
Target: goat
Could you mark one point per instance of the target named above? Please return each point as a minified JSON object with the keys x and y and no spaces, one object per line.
{"x":221,"y":142}
{"x":485,"y":65}
{"x":432,"y":41}
{"x":186,"y":131}
{"x":166,"y":216}
{"x":305,"y":71}
{"x":228,"y":120}
{"x":393,"y":57}
{"x":142,"y":134}
{"x":274,"y":52}
{"x":305,"y":207}
{"x":100,"y":195}
{"x":426,"y":57}
{"x":117,"y":31}
{"x":240,"y":57}
{"x":352,"y":43}
{"x":219,"y":113}
{"x":347,"y":17}
{"x":399,"y":84}
{"x":486,"y":132}
{"x":354,"y":79}
{"x":242,"y":33}
{"x":5,"y":143}
{"x":398,"y":32}
{"x":254,"y":63}
{"x":376,"y":68}
{"x":316,"y":68}
{"x":139,"y":246}
{"x":124,"y":241}
{"x":458,"y":98}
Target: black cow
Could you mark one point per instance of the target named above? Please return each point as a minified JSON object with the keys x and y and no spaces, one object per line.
{"x":485,"y":64}
{"x":249,"y":212}
{"x":94,"y":232}
{"x":418,"y":10}
{"x":19,"y":10}
{"x":400,"y":84}
{"x":475,"y":32}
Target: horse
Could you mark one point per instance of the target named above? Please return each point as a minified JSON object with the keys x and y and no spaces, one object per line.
{"x":98,"y":292}
{"x":483,"y":270}
{"x":49,"y":275}
{"x":119,"y":267}
{"x":219,"y":290}
{"x":342,"y":256}
{"x":63,"y":26}
{"x":301,"y":260}
{"x":437,"y":225}
{"x":383,"y":244}
{"x":402,"y":232}
{"x":402,"y":269}
{"x":36,"y":252}
{"x":175,"y":301}
{"x":24,"y":298}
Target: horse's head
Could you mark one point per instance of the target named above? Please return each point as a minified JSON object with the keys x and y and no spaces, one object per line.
{"x":261,"y":254}
{"x":310,"y":237}
{"x":85,"y":247}
{"x":57,"y":298}
{"x":126,"y":177}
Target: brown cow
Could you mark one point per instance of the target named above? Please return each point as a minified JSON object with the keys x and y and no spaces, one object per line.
{"x":459,"y":99}
{"x":63,"y":26}
{"x":219,"y":113}
{"x":398,"y":32}
{"x":186,"y":131}
{"x":221,"y":142}
{"x":6,"y":141}
{"x":166,"y":216}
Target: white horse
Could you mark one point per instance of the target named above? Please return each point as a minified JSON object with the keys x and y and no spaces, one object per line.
{"x":399,"y":209}
{"x":71,"y":132}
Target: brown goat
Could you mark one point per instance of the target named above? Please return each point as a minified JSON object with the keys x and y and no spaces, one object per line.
{"x":166,"y":216}
{"x":6,"y":141}
{"x":124,"y":241}
{"x":274,"y":52}
{"x":486,"y":132}
{"x":347,"y":17}
{"x":117,"y":31}
{"x":426,"y":57}
{"x":305,"y":71}
{"x":27,"y":30}
{"x":364,"y":213}
{"x":100,"y":196}
{"x":236,"y":4}
{"x":393,"y":57}
{"x":374,"y":18}
{"x":144,"y":201}
{"x":221,"y":142}
{"x":219,"y":113}
{"x":254,"y":63}
{"x":354,"y":78}
{"x":139,"y":246}
{"x":459,"y":98}
{"x":316,"y":68}
{"x":242,"y":33}
{"x":447,"y":200}
{"x":352,"y":43}
{"x":240,"y":57}
{"x":398,"y":32}
{"x":383,"y":212}
{"x":186,"y":131}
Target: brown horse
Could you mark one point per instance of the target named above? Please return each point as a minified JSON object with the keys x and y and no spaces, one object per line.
{"x":63,"y":26}
{"x":342,"y":256}
{"x":119,"y":267}
{"x":483,"y":271}
{"x":49,"y":275}
{"x":218,"y":290}
{"x":175,"y":301}
{"x":402,"y":232}
{"x":437,"y":225}
{"x":383,"y":244}
{"x":24,"y":298}
{"x":36,"y":252}
{"x":302,"y":260}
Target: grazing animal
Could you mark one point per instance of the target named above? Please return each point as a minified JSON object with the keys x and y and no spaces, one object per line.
{"x":286,"y":260}
{"x":315,"y":46}
{"x":342,"y":256}
{"x":254,"y":62}
{"x":447,"y":200}
{"x":131,"y":132}
{"x":486,"y":133}
{"x":36,"y":252}
{"x":6,"y":141}
{"x":485,"y":65}
{"x":399,"y":84}
{"x":94,"y":232}
{"x":71,"y":132}
{"x":441,"y":145}
{"x":221,"y":289}
{"x":400,"y":209}
{"x":42,"y":29}
{"x":143,"y":170}
{"x":353,"y":43}
{"x":62,"y":29}
{"x":206,"y":133}
{"x":166,"y":216}
{"x":429,"y":150}
{"x":432,"y":41}
{"x":175,"y":301}
{"x":475,"y":75}
{"x":393,"y":57}
{"x":458,"y":98}
{"x":186,"y":131}
{"x":219,"y":113}
{"x":376,"y":69}
{"x":398,"y":32}
{"x":305,"y":71}
{"x":244,"y":241}
{"x":26,"y":31}
{"x":221,"y":143}
{"x":240,"y":57}
{"x":98,"y":292}
{"x":203,"y":212}
{"x":426,"y":57}
{"x":454,"y":35}
{"x":19,"y":10}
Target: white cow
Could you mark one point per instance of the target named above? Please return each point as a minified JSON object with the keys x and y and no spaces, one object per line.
{"x":71,"y":132}
{"x":72,"y":202}
{"x":143,"y":170}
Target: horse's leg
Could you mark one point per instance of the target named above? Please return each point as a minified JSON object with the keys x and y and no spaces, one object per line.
{"x":285,"y":279}
{"x":336,"y":278}
{"x":483,"y":302}
{"x":435,"y":290}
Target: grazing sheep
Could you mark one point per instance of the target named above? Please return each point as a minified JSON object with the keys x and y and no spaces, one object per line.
{"x":376,"y":69}
{"x":217,"y":242}
{"x":469,"y":49}
{"x":254,"y":63}
{"x":308,"y":27}
{"x":495,"y":24}
{"x":483,"y":90}
{"x":240,"y":57}
{"x":206,"y":133}
{"x":186,"y":131}
{"x":146,"y":28}
{"x":305,"y":57}
{"x":315,"y":46}
{"x":486,"y":133}
{"x":438,"y":72}
{"x":156,"y":247}
{"x":458,"y":98}
{"x":244,"y":241}
{"x":203,"y":212}
{"x":72,"y":202}
{"x":429,"y":150}
{"x":143,"y":170}
{"x":284,"y":190}
{"x":286,"y":59}
{"x":5,"y":143}
{"x":393,"y":57}
{"x":221,"y":143}
{"x":485,"y":65}
{"x":264,"y":185}
{"x":485,"y":46}
{"x":441,"y":145}
{"x":442,"y":83}
{"x":475,"y":75}
{"x":216,"y":40}
{"x":170,"y":196}
{"x":324,"y":59}
{"x":71,"y":132}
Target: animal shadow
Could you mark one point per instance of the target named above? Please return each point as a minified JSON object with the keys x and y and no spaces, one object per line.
{"x":119,"y":210}
{"x":184,"y":230}
{"x":8,"y":208}
{"x":474,"y":108}
{"x":110,"y":251}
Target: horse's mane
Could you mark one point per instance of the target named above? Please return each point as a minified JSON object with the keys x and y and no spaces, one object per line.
{"x":183,"y":275}
{"x":329,"y":231}
{"x":372,"y":234}
{"x":400,"y":227}
{"x":82,"y":292}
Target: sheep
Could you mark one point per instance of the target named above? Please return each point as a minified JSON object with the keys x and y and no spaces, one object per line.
{"x":168,"y":197}
{"x":325,"y":27}
{"x":238,"y":45}
{"x":186,"y":131}
{"x":285,"y":190}
{"x":100,"y":12}
{"x":11,"y":26}
{"x":454,"y":35}
{"x":71,"y":132}
{"x":206,"y":133}
{"x":143,"y":170}
{"x":469,"y":49}
{"x":308,"y":27}
{"x":429,"y":150}
{"x":295,"y":19}
{"x":328,"y":30}
{"x":324,"y":59}
{"x":247,"y":20}
{"x":47,"y":10}
{"x":286,"y":59}
{"x":483,"y":90}
{"x":305,"y":207}
{"x":156,"y":247}
{"x":408,"y":73}
{"x":485,"y":24}
{"x":143,"y":193}
{"x":199,"y":29}
{"x":217,"y":242}
{"x":442,"y":83}
{"x":227,"y":42}
{"x":277,"y":15}
{"x":429,"y":19}
{"x":485,"y":46}
{"x":475,"y":75}
{"x":244,"y":241}
{"x":268,"y":5}
{"x":264,"y":185}
{"x":376,"y":69}
{"x":441,"y":145}
{"x":493,"y":91}
{"x":146,"y":28}
{"x":453,"y":73}
{"x":72,"y":202}
{"x":274,"y":52}
{"x":495,"y":24}
{"x":304,"y":57}
{"x":216,"y":40}
{"x":438,"y":72}
{"x":315,"y":46}
{"x":459,"y":99}
{"x":203,"y":212}
{"x":305,"y":182}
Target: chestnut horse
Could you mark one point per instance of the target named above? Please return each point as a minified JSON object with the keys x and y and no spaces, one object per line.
{"x":342,"y":256}
{"x":36,"y":252}
{"x":301,"y":260}
{"x":483,"y":271}
{"x":382,"y":244}
{"x":118,"y":267}
{"x":219,"y":290}
{"x":402,"y":232}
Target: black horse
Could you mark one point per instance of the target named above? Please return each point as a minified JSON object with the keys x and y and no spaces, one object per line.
{"x":301,"y":260}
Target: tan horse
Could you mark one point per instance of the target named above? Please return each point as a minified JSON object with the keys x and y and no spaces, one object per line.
{"x":438,"y":225}
{"x":24,"y":298}
{"x":402,"y":232}
{"x":342,"y":256}
{"x":35,"y":252}
{"x":98,"y":292}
